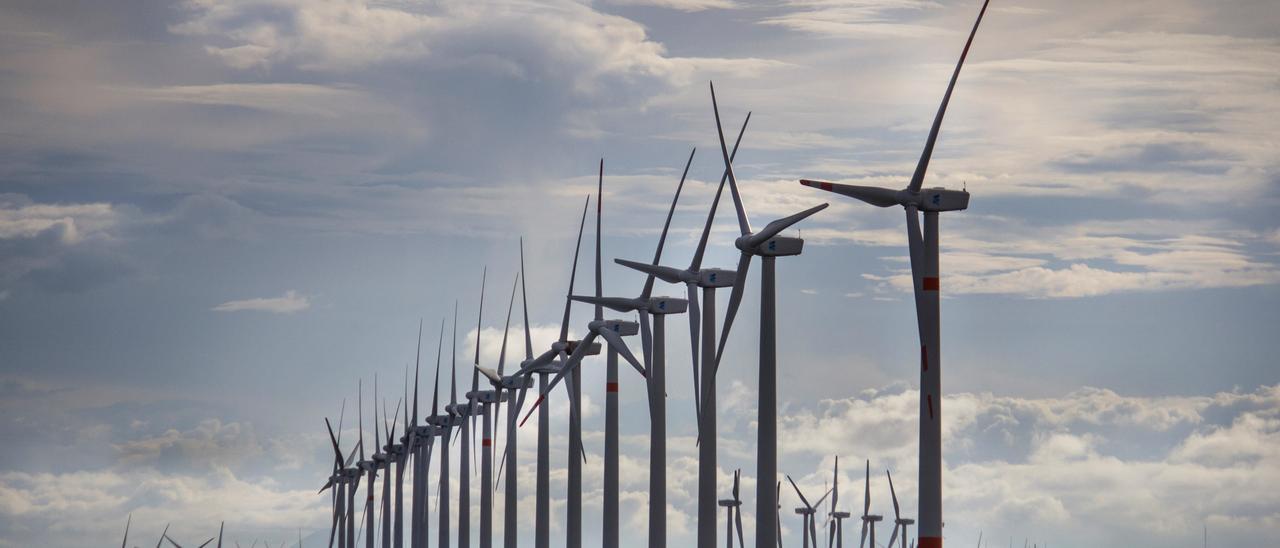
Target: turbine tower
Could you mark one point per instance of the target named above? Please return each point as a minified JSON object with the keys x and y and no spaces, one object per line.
{"x":468,"y":413}
{"x":769,"y":246}
{"x":924,"y":273}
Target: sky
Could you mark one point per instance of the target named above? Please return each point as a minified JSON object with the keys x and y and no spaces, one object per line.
{"x":218,"y":217}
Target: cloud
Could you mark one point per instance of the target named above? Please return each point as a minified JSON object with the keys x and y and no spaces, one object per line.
{"x":67,"y":247}
{"x":289,"y":303}
{"x":1082,"y":259}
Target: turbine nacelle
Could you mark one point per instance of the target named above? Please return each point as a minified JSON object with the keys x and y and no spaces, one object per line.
{"x":928,"y":199}
{"x":777,"y":246}
{"x":621,"y":327}
{"x":592,"y":349}
{"x":487,"y":396}
{"x":516,"y":382}
{"x":714,"y":277}
{"x":666,"y":305}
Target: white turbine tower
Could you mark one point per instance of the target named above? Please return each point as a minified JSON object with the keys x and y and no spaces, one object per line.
{"x":734,"y":514}
{"x":769,"y":245}
{"x":924,"y":272}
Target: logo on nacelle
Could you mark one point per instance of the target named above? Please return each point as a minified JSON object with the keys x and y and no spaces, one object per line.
{"x":713,"y":277}
{"x":773,"y":245}
{"x":937,"y":199}
{"x":662,"y":305}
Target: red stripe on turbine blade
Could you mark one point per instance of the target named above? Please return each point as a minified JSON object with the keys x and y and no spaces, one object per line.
{"x":931,"y":283}
{"x":930,"y":542}
{"x":825,"y":186}
{"x":485,"y":442}
{"x":930,"y":398}
{"x":924,"y":358}
{"x":611,"y":387}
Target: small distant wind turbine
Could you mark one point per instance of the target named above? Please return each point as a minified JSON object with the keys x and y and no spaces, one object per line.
{"x":868,"y":520}
{"x":733,"y":515}
{"x":900,"y":522}
{"x":808,"y":525}
{"x":836,"y":517}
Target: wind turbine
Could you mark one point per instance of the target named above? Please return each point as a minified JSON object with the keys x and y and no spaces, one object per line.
{"x":924,"y":273}
{"x":503,"y":390}
{"x":486,"y":399}
{"x":368,"y":466}
{"x":708,"y":279}
{"x":466,"y":412}
{"x":512,"y":388}
{"x":445,"y":423}
{"x":868,"y":520}
{"x":809,"y":525}
{"x":612,"y":332}
{"x":734,"y":514}
{"x":391,"y":453}
{"x":562,"y":349}
{"x":769,"y":245}
{"x":425,"y":436}
{"x":837,"y":517}
{"x":899,"y":521}
{"x":654,"y":340}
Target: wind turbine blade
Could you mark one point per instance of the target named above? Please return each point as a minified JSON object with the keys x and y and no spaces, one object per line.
{"x":619,"y":304}
{"x":715,"y":202}
{"x":835,"y":484}
{"x":360,"y":414}
{"x":866,"y":499}
{"x":435,"y":395}
{"x":775,"y":227}
{"x":220,"y":526}
{"x":813,"y":530}
{"x":453,"y":359}
{"x":574,"y":415}
{"x":802,"y":499}
{"x":876,"y":196}
{"x":127,"y":523}
{"x":735,"y":300}
{"x":599,"y":213}
{"x":893,"y":536}
{"x":647,"y":341}
{"x":824,"y":497}
{"x":564,"y":324}
{"x":737,"y":522}
{"x":490,"y":374}
{"x":744,"y":224}
{"x":484,"y":278}
{"x":417,"y":361}
{"x":163,"y":535}
{"x":524,"y":298}
{"x":917,"y":178}
{"x":657,"y":255}
{"x":695,"y":322}
{"x":863,"y":542}
{"x":896,"y":514}
{"x":664,"y":273}
{"x":502,"y":354}
{"x":831,"y":536}
{"x":618,"y":345}
{"x":351,"y":457}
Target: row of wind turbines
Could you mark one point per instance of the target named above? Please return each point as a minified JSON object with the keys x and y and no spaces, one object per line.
{"x":391,"y":457}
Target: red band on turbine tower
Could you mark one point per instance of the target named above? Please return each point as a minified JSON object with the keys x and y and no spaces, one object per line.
{"x":486,"y":442}
{"x":930,"y":542}
{"x":924,"y":358}
{"x":930,"y":283}
{"x":930,"y":398}
{"x":611,"y":387}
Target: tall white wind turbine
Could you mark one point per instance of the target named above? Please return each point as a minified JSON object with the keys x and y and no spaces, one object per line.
{"x":809,"y":526}
{"x":900,"y":522}
{"x":924,"y":272}
{"x":769,"y":245}
{"x":653,"y":338}
{"x":612,"y":331}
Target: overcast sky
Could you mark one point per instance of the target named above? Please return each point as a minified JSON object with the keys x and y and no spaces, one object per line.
{"x":216,"y":216}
